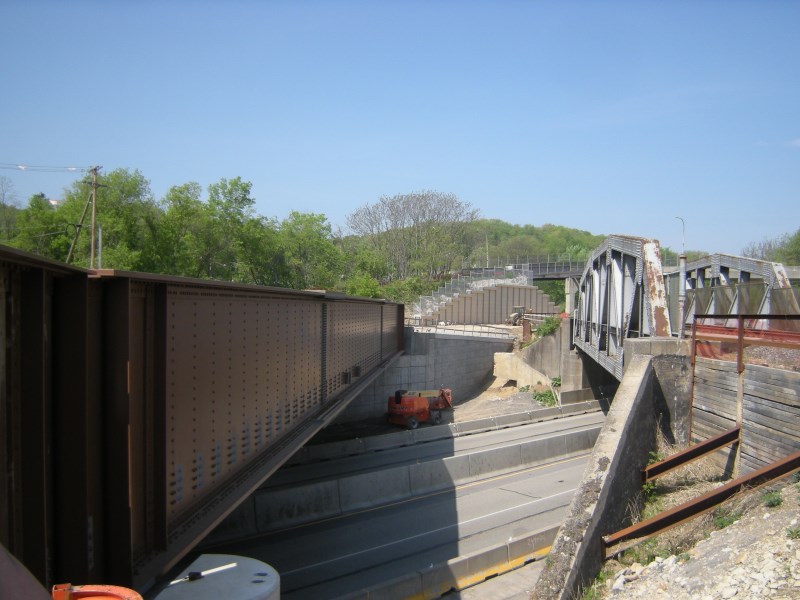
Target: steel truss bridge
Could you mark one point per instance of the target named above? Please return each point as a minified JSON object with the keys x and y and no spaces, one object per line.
{"x":137,"y":411}
{"x":623,"y":293}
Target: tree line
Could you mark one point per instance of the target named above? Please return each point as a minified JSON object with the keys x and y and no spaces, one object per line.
{"x":397,"y":247}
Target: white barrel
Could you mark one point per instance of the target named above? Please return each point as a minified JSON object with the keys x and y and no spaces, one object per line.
{"x":215,"y":576}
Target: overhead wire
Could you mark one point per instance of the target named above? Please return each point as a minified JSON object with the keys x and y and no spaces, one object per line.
{"x":42,"y":168}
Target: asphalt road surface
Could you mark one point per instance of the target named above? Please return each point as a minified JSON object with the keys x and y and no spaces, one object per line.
{"x":329,"y":558}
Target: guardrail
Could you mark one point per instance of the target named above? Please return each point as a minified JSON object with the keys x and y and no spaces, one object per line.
{"x":423,"y":325}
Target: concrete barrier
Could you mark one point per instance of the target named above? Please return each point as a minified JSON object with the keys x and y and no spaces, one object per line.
{"x":278,"y":508}
{"x":366,"y":490}
{"x":611,"y":480}
{"x":270,"y":508}
{"x":427,"y":477}
{"x":467,"y":570}
{"x":428,"y":433}
{"x":373,"y":489}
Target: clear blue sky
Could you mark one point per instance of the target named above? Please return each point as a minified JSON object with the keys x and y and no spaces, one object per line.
{"x":613,"y":117}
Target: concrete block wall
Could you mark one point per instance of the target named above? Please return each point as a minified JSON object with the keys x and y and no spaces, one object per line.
{"x":432,"y":360}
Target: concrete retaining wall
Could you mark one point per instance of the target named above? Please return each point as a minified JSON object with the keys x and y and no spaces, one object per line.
{"x":611,"y":481}
{"x":545,"y":354}
{"x":510,"y":366}
{"x":432,"y":360}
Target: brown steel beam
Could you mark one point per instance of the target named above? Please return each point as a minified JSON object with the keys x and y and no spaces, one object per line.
{"x":681,"y":458}
{"x":701,"y":504}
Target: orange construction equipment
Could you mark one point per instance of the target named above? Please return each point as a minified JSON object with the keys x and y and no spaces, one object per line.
{"x":410,"y":408}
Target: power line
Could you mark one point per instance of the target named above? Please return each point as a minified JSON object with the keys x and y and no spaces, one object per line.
{"x":41,"y":168}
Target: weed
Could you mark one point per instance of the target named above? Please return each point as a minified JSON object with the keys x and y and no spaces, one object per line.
{"x":644,"y":553}
{"x":795,"y":478}
{"x":654,"y":456}
{"x":649,"y":490}
{"x":556,"y":382}
{"x":545,"y":398}
{"x":549,"y":326}
{"x":772,"y":499}
{"x":793,"y":533}
{"x":525,"y":388}
{"x":722,"y":517}
{"x":594,"y":591}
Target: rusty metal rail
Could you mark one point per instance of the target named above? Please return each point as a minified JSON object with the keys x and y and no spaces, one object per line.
{"x":679,"y":459}
{"x":743,"y":335}
{"x":611,"y":544}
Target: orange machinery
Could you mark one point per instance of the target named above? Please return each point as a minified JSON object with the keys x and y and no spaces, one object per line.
{"x":410,"y":408}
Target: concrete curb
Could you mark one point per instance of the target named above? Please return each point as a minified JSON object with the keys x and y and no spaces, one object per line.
{"x":462,"y":572}
{"x":402,"y":438}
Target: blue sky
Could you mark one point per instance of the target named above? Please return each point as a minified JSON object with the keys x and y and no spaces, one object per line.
{"x":612,"y":117}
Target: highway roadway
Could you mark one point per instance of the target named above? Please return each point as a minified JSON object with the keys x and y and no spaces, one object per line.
{"x":327,"y":559}
{"x":336,"y":556}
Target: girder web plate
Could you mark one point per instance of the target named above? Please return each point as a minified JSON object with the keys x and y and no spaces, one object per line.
{"x":238,"y":376}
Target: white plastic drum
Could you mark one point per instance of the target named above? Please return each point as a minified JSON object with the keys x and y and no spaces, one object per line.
{"x":215,"y":576}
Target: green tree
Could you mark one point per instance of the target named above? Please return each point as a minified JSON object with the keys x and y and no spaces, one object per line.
{"x":312,"y":258}
{"x":41,"y":229}
{"x":364,"y":286}
{"x":182,"y":235}
{"x":230,"y":206}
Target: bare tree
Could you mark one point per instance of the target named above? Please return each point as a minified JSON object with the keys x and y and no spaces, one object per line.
{"x":421,"y":233}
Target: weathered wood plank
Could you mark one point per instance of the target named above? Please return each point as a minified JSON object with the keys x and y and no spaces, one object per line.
{"x":787,"y":395}
{"x":712,"y":363}
{"x":724,"y":405}
{"x":723,"y":381}
{"x":765,"y":373}
{"x":763,"y":443}
{"x":770,"y":415}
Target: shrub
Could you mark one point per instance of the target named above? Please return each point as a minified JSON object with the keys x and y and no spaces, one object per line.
{"x":545,"y":398}
{"x":549,"y":326}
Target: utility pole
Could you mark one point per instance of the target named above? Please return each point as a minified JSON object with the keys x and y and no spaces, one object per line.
{"x":682,"y":284}
{"x":94,"y":171}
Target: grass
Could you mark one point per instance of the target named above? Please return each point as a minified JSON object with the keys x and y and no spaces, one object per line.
{"x":793,"y":533}
{"x":724,"y":516}
{"x":772,"y":498}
